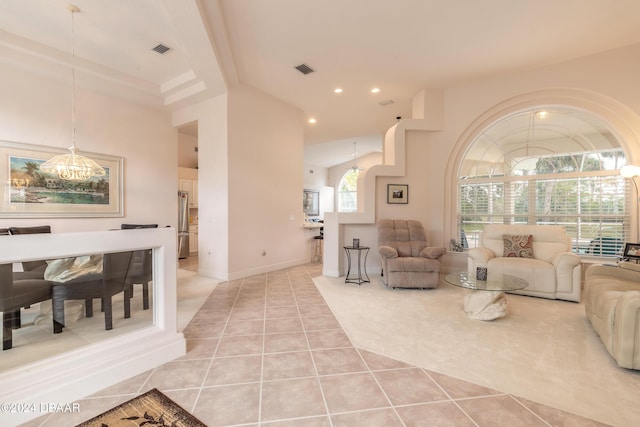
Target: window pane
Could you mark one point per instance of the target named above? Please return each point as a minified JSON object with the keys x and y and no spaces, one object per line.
{"x":563,"y":170}
{"x":348,"y":191}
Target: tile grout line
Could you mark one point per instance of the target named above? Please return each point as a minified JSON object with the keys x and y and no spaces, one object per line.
{"x":264,"y":332}
{"x":529,"y":409}
{"x":368,"y":368}
{"x":213,"y":356}
{"x":450,"y":398}
{"x":313,"y":360}
{"x":386,"y":396}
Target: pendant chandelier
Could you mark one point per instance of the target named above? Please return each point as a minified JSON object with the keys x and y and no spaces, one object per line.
{"x":73,"y":166}
{"x":355,"y":167}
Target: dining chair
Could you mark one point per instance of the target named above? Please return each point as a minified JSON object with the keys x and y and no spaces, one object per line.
{"x":16,"y":294}
{"x":141,"y":270}
{"x":103,"y":286}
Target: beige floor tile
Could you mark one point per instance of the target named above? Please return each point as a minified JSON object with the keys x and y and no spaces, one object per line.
{"x":204,"y":330}
{"x":282,"y":312}
{"x":338,"y":361}
{"x":185,"y":398}
{"x":374,"y":418}
{"x":378,"y":362}
{"x":352,"y":392}
{"x":177,"y":375}
{"x":200,"y":348}
{"x":234,"y":370}
{"x":458,"y":389}
{"x":558,"y":418}
{"x":291,"y":399}
{"x":228,"y":405}
{"x":231,"y":368}
{"x":301,"y":422}
{"x":246,"y":314}
{"x":211,"y":315}
{"x":315,"y":310}
{"x":280,"y":366}
{"x":499,"y":411}
{"x":244,"y":327}
{"x":409,"y":386}
{"x":288,"y":341}
{"x":332,"y":338}
{"x":316,"y":323}
{"x":240,"y":345}
{"x":439,"y":414}
{"x":289,"y":324}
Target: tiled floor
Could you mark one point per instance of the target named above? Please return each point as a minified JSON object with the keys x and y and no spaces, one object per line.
{"x":267,"y":351}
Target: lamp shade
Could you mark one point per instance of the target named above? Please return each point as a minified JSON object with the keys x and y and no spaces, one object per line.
{"x":629,"y":171}
{"x":73,"y":167}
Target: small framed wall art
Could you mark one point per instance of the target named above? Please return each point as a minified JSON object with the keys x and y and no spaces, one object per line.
{"x":311,"y":202}
{"x":397,"y":194}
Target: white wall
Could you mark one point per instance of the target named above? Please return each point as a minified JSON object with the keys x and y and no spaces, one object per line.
{"x":602,"y":84}
{"x":265,"y":183}
{"x":37,"y":110}
{"x":213,"y":183}
{"x":250,"y":148}
{"x":187,"y":154}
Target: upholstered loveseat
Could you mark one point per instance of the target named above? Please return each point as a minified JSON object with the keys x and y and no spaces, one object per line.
{"x":541,"y":255}
{"x":612,"y":305}
{"x":407,"y":259}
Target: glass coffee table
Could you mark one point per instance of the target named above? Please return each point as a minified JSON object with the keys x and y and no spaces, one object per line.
{"x":486,"y":299}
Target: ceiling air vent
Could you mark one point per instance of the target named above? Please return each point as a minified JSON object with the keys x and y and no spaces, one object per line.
{"x":304,"y":69}
{"x":387,"y":102}
{"x":161,"y":49}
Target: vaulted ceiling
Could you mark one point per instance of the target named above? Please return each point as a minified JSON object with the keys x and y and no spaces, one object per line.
{"x":396,"y":46}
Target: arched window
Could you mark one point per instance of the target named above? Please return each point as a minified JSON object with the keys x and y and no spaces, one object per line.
{"x":348,"y":191}
{"x":547,"y":166}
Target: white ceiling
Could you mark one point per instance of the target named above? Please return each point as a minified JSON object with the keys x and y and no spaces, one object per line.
{"x":400,"y":47}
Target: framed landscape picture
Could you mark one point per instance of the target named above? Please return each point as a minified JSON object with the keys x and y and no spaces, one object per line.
{"x":30,"y":192}
{"x":397,"y":194}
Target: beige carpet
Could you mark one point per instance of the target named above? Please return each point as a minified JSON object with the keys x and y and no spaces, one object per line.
{"x":543,"y":350}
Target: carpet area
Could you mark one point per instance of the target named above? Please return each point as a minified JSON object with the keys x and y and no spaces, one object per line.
{"x":543,"y":350}
{"x":151,"y":408}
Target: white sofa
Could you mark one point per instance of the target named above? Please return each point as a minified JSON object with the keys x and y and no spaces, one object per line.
{"x":553,"y":271}
{"x":612,"y":305}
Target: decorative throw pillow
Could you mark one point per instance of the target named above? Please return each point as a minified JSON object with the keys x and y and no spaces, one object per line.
{"x":518,"y":246}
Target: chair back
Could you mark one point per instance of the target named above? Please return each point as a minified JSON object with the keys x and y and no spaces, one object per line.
{"x":40,"y":229}
{"x":115,"y":267}
{"x":6,"y":286}
{"x":405,"y":236}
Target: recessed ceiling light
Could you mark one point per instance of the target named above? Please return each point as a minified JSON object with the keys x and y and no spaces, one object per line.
{"x":338,"y":90}
{"x":312,"y":120}
{"x":375,"y":90}
{"x":542,"y":114}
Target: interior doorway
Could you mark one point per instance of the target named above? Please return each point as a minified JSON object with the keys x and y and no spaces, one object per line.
{"x":188,"y":195}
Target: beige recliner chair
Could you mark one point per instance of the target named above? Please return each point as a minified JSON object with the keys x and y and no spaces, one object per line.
{"x":407,"y":259}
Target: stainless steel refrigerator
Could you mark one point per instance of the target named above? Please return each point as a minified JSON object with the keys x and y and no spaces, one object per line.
{"x":183,"y":224}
